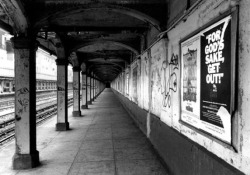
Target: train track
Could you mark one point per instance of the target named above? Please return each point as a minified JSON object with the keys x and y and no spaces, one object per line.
{"x":8,"y":110}
{"x":9,"y":102}
{"x":42,"y":115}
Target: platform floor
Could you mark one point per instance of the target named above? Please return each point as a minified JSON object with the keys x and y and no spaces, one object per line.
{"x":104,"y":141}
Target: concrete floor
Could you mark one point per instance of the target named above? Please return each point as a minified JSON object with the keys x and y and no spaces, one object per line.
{"x":104,"y":141}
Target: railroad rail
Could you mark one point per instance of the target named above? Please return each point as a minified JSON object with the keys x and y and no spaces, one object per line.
{"x":6,"y":115}
{"x":42,"y":115}
{"x":8,"y":103}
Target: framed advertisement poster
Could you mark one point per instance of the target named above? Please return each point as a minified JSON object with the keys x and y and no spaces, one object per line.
{"x":190,"y":89}
{"x":208,"y":79}
{"x":216,"y":79}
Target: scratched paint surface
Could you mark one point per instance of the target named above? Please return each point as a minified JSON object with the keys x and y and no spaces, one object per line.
{"x":22,"y":106}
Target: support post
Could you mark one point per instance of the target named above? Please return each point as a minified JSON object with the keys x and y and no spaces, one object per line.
{"x":62,"y":95}
{"x":99,"y":88}
{"x":92,"y":89}
{"x":84,"y":91}
{"x":89,"y":91}
{"x":76,"y":92}
{"x":26,"y":155}
{"x":95,"y":89}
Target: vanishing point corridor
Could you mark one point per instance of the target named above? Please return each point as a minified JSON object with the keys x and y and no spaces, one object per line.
{"x":104,"y":141}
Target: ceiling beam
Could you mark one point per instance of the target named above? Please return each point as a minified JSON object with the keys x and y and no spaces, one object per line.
{"x":101,"y":6}
{"x":6,"y":27}
{"x":115,"y":43}
{"x":15,"y":12}
{"x":115,"y":29}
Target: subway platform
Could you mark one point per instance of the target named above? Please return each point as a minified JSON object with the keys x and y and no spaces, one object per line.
{"x":103,"y":141}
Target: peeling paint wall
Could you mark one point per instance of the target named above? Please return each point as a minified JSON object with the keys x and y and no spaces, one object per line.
{"x":165,"y":83}
{"x":244,"y":85}
{"x":158,"y":57}
{"x":145,"y":80}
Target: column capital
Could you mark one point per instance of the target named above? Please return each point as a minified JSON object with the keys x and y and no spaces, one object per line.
{"x":24,"y":43}
{"x":83,"y":73}
{"x":61,"y":62}
{"x":76,"y":69}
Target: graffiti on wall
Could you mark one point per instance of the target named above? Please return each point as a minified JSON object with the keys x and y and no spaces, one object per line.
{"x":22,"y":91}
{"x":61,"y":102}
{"x":158,"y":54}
{"x":169,"y":79}
{"x":23,"y":102}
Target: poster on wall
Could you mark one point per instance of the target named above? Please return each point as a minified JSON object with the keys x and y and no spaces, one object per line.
{"x":207,"y":80}
{"x":216,"y":79}
{"x":190,"y":90}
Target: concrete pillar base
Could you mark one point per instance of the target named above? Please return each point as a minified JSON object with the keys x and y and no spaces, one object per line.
{"x":76,"y":114}
{"x":84,"y":107}
{"x":25,"y":161}
{"x":62,"y":126}
{"x":89,"y":102}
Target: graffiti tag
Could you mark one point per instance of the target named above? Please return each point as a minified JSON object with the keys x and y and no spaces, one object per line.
{"x":22,"y":91}
{"x":169,"y":85}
